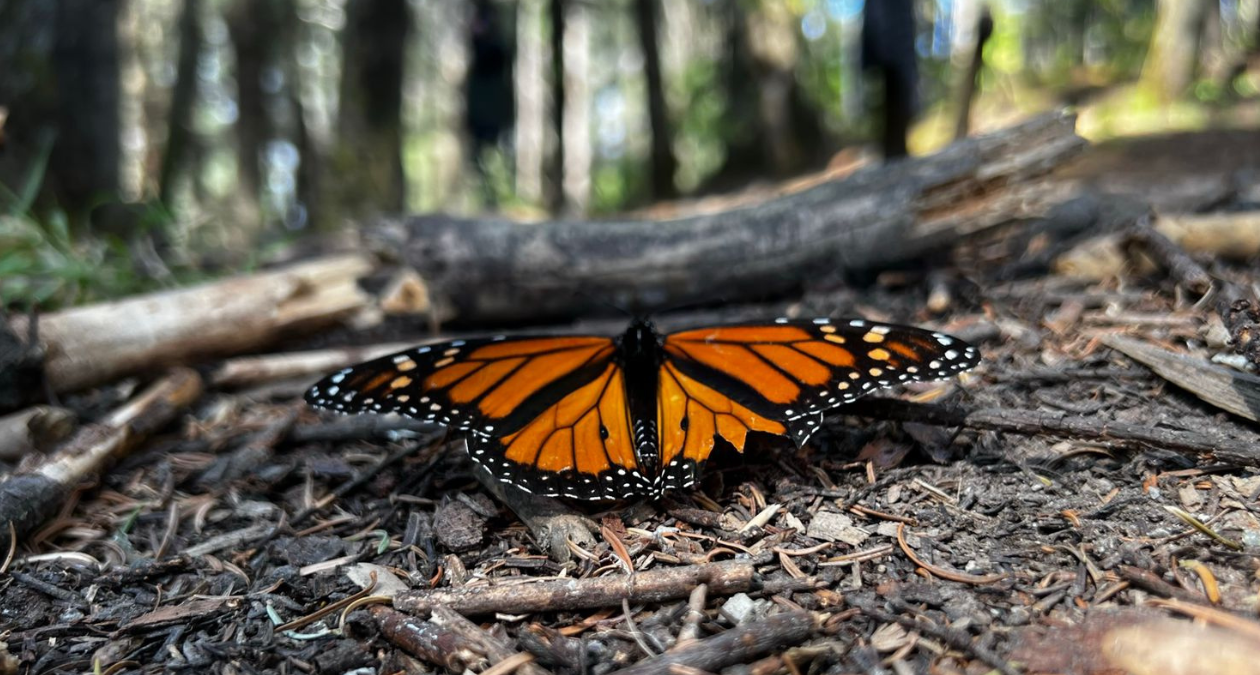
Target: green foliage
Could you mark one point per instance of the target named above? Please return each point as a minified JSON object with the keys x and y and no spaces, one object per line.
{"x":46,"y":263}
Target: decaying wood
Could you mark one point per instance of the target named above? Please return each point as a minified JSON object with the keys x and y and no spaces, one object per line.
{"x":737,"y":645}
{"x":1240,"y":316}
{"x":31,"y":497}
{"x":38,"y":428}
{"x":498,"y":650}
{"x":1225,"y":388}
{"x":1233,"y":236}
{"x":559,"y":595}
{"x":488,"y":270}
{"x":1243,"y":452}
{"x":427,"y":640}
{"x":85,"y":346}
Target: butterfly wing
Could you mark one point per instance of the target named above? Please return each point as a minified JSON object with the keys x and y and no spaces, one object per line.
{"x":546,"y":413}
{"x":780,"y":378}
{"x":580,"y":447}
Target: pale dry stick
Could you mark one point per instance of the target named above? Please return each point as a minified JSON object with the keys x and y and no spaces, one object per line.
{"x":690,"y":630}
{"x":558,"y":595}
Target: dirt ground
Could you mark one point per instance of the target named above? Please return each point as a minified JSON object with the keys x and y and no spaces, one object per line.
{"x":880,"y":547}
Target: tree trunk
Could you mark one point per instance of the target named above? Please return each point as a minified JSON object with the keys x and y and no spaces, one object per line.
{"x":367,"y":159}
{"x":769,"y":123}
{"x":255,"y":26}
{"x":664,"y":164}
{"x":179,"y":135}
{"x":555,"y":169}
{"x":531,"y":109}
{"x":1174,"y":50}
{"x":85,"y":159}
{"x":888,"y":34}
{"x":970,"y":83}
{"x":60,"y":87}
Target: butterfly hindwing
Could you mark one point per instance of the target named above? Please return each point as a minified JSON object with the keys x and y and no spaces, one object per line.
{"x":580,"y":447}
{"x":781,"y":377}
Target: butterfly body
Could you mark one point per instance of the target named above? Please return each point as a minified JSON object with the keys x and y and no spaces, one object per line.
{"x":594,"y":417}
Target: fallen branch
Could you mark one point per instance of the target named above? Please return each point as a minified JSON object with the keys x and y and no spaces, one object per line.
{"x":90,"y":345}
{"x":1042,"y":422}
{"x":497,"y":270}
{"x":737,"y":645}
{"x":559,"y":595}
{"x":29,"y":498}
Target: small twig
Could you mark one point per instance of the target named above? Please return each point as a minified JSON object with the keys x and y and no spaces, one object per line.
{"x":690,"y":630}
{"x":1151,"y":582}
{"x":559,"y":595}
{"x":737,"y":645}
{"x":50,"y":590}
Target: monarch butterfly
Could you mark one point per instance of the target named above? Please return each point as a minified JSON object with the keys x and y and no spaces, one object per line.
{"x":593,"y":417}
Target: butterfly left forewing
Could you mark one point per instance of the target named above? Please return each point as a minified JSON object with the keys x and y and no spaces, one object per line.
{"x":481,"y":386}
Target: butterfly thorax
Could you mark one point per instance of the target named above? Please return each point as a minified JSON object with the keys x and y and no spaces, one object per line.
{"x":639,"y":350}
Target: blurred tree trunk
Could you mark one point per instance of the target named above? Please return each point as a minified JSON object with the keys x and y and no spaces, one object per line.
{"x":664,"y":163}
{"x":179,"y":134}
{"x":256,"y":27}
{"x":85,"y":159}
{"x":310,"y":150}
{"x":888,"y":34}
{"x":1174,"y":50}
{"x":367,"y":155}
{"x":60,"y":86}
{"x":488,"y":89}
{"x":576,"y":119}
{"x":531,"y":107}
{"x":554,"y":185}
{"x":769,"y":124}
{"x":970,"y":80}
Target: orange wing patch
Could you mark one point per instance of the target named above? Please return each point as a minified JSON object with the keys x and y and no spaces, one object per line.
{"x":737,"y":361}
{"x":690,"y":414}
{"x":587,"y":431}
{"x":499,"y":377}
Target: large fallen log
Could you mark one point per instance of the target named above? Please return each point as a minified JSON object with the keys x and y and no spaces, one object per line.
{"x":85,"y":346}
{"x":483,"y":270}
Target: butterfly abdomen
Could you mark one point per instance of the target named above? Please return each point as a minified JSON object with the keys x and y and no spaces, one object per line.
{"x":640,"y":352}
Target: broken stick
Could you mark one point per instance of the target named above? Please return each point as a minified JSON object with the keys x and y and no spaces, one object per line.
{"x":86,"y":346}
{"x":29,"y":498}
{"x":737,"y":645}
{"x":559,"y":595}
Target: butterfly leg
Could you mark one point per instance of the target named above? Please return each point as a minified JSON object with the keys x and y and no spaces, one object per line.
{"x":551,"y":522}
{"x":804,"y":426}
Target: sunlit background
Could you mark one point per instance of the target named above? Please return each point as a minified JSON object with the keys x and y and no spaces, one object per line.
{"x":240,"y":125}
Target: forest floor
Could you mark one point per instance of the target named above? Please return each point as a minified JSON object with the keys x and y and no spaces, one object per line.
{"x":880,"y":547}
